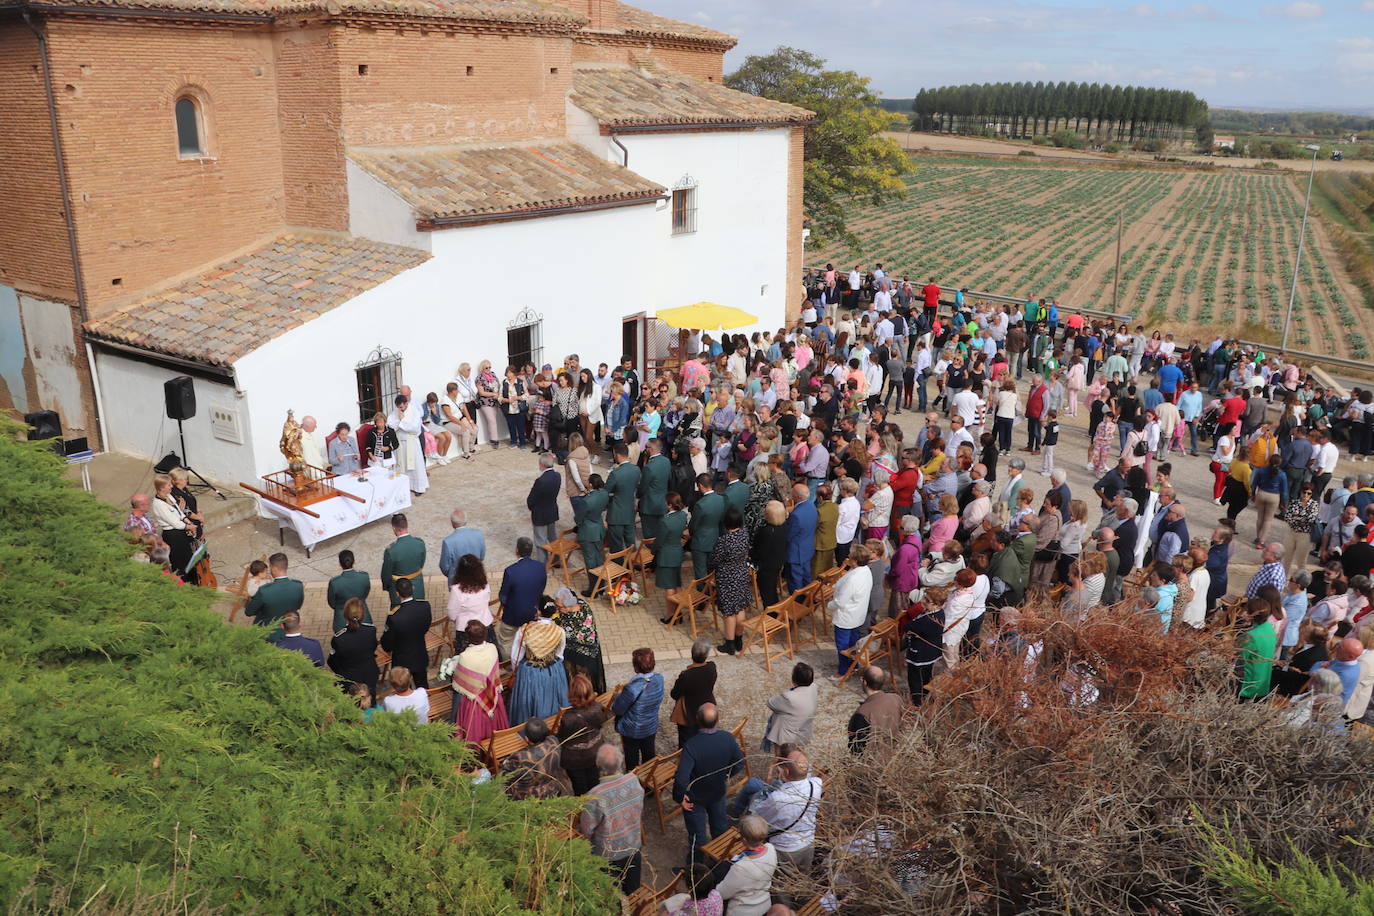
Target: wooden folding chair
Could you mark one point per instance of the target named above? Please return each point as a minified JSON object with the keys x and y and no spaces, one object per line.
{"x":440,"y":702}
{"x":502,"y":744}
{"x":881,"y":640}
{"x":718,"y":619}
{"x":561,"y":551}
{"x":812,"y":907}
{"x":240,"y":590}
{"x":611,"y":571}
{"x":826,"y":591}
{"x":646,"y":901}
{"x":657,"y":775}
{"x":738,"y":732}
{"x":437,"y":639}
{"x":724,"y":847}
{"x":769,"y":626}
{"x":687,"y":601}
{"x":383,"y":664}
{"x":804,"y":605}
{"x":639,"y":560}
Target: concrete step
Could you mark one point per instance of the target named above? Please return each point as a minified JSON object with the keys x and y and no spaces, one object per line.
{"x":116,"y":476}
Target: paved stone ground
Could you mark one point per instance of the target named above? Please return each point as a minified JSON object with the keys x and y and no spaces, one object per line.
{"x":492,"y":490}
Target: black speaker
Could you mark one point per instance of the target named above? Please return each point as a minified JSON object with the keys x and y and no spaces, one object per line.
{"x":44,"y":424}
{"x":181,"y":398}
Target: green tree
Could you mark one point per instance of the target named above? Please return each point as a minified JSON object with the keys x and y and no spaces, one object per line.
{"x":846,"y":154}
{"x":149,"y":749}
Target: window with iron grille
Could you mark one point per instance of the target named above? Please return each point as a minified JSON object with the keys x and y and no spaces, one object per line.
{"x":684,"y":211}
{"x":379,"y":381}
{"x":525,"y":339}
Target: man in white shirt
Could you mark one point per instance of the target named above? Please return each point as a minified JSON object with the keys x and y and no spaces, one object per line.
{"x":965,"y":404}
{"x":405,"y":419}
{"x":885,"y":329}
{"x":958,"y":436}
{"x":310,"y":446}
{"x":882,"y":301}
{"x":790,"y":810}
{"x":1323,"y":463}
{"x":846,"y":528}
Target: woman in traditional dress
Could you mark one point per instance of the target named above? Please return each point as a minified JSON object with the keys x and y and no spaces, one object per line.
{"x":477,"y":681}
{"x":541,"y":683}
{"x":1102,"y":443}
{"x":582,"y":649}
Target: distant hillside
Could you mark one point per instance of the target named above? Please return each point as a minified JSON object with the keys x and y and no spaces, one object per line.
{"x":1300,"y":123}
{"x":899,"y":105}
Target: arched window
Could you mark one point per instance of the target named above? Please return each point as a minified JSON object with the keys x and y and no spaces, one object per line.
{"x":189,"y":140}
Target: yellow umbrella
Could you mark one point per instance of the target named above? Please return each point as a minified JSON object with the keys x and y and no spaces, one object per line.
{"x":706,"y":316}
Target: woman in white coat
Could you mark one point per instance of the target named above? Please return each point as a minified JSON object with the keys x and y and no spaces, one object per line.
{"x":960,"y":606}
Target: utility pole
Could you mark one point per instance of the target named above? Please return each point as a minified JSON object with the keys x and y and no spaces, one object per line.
{"x":1116,"y":275}
{"x":1297,"y":260}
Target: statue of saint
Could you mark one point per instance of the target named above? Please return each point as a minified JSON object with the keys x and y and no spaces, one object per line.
{"x":290,"y":443}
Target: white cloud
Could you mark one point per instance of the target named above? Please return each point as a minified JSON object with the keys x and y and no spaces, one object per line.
{"x":1144,"y":10}
{"x":1355,"y":55}
{"x":702,"y":16}
{"x":1302,"y":9}
{"x":1367,"y":6}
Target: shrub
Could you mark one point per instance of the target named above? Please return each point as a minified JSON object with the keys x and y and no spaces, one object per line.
{"x":1026,"y":152}
{"x":144,"y":738}
{"x":1112,"y":147}
{"x":1067,"y":139}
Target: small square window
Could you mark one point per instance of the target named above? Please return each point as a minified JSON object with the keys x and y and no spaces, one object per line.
{"x":470,"y":69}
{"x":684,"y":211}
{"x":362,"y":69}
{"x":553,"y":70}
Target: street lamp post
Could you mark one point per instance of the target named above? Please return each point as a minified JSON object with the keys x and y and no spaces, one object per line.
{"x":1297,"y":260}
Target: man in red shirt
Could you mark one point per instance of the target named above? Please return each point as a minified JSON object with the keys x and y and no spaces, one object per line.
{"x":904,"y":485}
{"x":1035,"y":409}
{"x":931,"y":293}
{"x":1232,"y":406}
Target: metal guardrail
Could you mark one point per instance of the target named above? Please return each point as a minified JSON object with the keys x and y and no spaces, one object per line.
{"x":1322,"y":359}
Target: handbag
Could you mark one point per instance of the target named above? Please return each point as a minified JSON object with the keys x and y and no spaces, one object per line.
{"x":679,"y":714}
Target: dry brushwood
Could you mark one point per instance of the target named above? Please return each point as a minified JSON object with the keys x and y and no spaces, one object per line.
{"x":1069,"y":768}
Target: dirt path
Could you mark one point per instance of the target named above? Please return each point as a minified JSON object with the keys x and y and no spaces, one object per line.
{"x":948,"y":143}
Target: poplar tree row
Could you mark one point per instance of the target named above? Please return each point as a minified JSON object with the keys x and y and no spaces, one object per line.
{"x":1124,"y":114}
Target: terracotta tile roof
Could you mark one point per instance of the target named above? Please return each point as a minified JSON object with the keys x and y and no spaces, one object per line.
{"x":642,"y":23}
{"x":530,"y":12}
{"x":452,"y":182}
{"x":235,"y":307}
{"x":651,"y":96}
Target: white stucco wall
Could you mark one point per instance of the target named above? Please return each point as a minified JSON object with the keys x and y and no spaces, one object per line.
{"x":582,"y":272}
{"x":738,"y":255}
{"x":136,"y":421}
{"x":376,"y":212}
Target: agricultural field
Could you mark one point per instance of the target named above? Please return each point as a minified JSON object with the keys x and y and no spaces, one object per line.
{"x":1201,"y":251}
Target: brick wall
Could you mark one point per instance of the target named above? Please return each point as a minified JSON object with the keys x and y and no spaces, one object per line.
{"x":795,"y":182}
{"x":34,"y":253}
{"x":310,"y":106}
{"x":706,"y":65}
{"x":429,"y":86}
{"x":144,"y":214}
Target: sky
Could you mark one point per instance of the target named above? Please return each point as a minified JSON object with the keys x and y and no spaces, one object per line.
{"x":1309,"y":54}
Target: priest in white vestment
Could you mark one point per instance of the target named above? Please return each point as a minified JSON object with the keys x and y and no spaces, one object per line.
{"x":405,"y":419}
{"x":310,"y":446}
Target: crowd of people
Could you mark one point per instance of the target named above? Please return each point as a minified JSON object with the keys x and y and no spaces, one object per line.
{"x":762,"y":461}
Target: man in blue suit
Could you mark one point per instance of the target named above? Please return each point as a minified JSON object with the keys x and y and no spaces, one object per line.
{"x":292,"y":639}
{"x":801,"y":537}
{"x":522,"y":585}
{"x":461,"y":542}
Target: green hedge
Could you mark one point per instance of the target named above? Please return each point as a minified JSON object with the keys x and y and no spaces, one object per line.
{"x":145,"y":744}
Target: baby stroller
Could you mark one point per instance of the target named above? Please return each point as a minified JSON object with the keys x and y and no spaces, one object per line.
{"x":1207,"y":423}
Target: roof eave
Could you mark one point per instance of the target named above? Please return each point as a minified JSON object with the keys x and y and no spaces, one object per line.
{"x":432,"y":223}
{"x":219,"y":370}
{"x":668,"y":126}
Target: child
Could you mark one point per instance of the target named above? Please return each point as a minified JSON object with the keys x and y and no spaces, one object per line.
{"x":1294,"y":611}
{"x":800,"y":449}
{"x":1051,"y":439}
{"x":877,"y":565}
{"x":258,"y":576}
{"x":722,"y":456}
{"x":908,"y":385}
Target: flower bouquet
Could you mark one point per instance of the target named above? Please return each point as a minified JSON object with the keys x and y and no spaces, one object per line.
{"x":626,"y":592}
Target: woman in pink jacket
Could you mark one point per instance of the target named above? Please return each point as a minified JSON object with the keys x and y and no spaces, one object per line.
{"x":904,"y":573}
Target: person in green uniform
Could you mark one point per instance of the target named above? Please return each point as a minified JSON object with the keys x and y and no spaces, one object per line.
{"x":351,"y":583}
{"x":704,"y":526}
{"x":277,"y":597}
{"x":653,"y":488}
{"x":736,"y":491}
{"x":668,"y":552}
{"x":403,"y":559}
{"x":827,"y":522}
{"x":620,"y":514}
{"x":591,"y":527}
